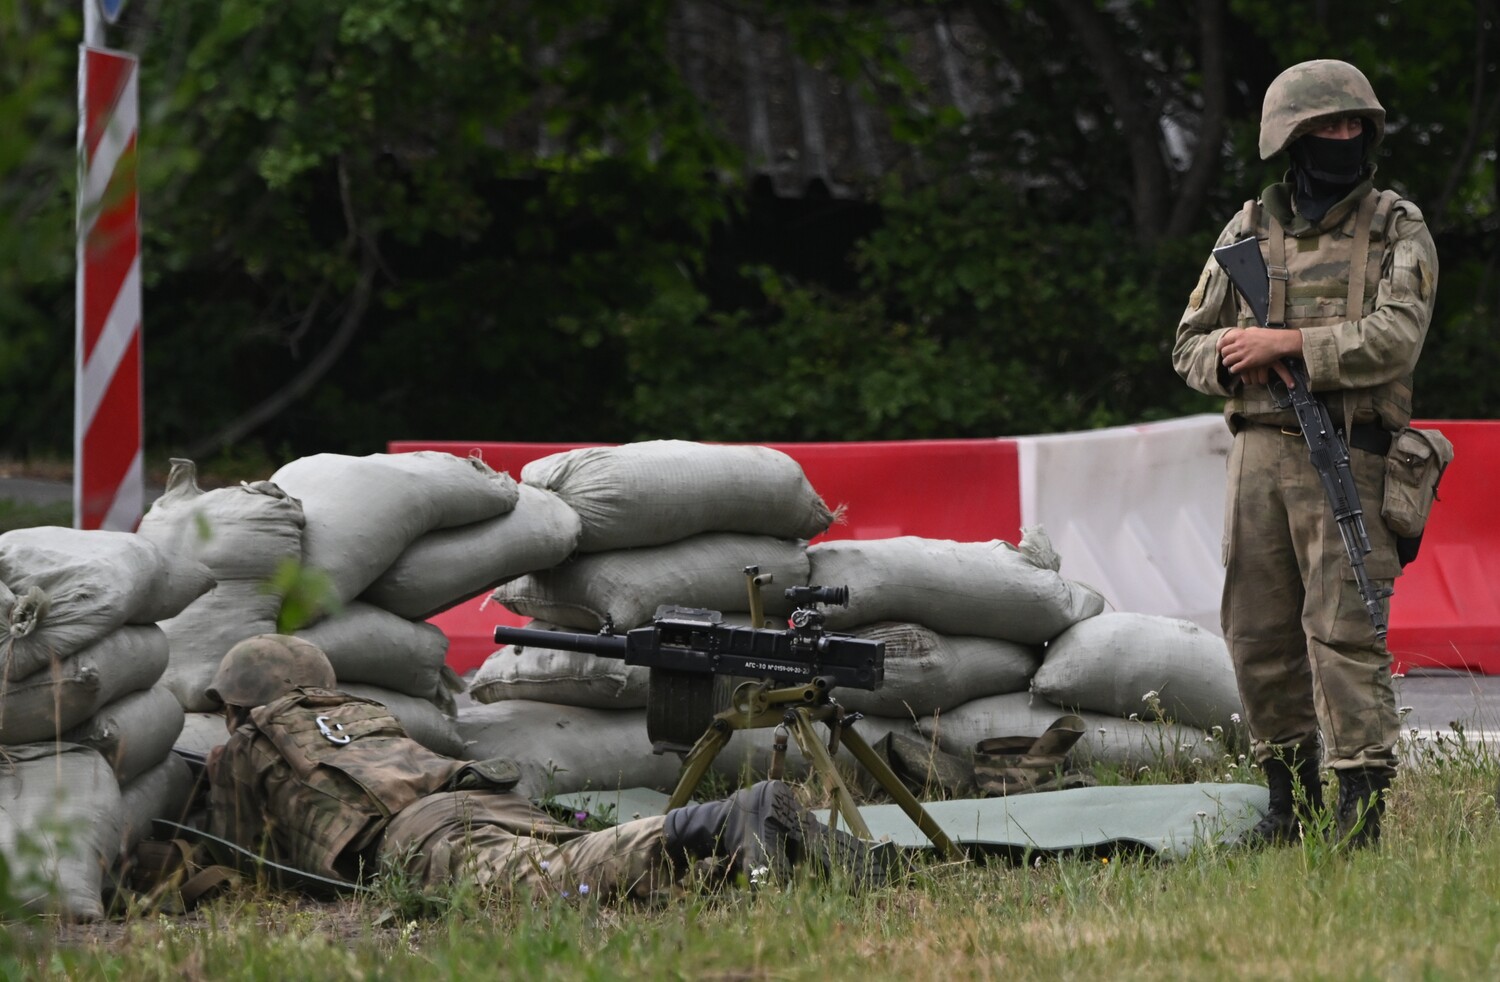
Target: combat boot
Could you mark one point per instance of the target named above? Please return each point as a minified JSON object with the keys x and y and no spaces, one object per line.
{"x":762,"y":832}
{"x":1361,"y":803}
{"x":1296,"y":787}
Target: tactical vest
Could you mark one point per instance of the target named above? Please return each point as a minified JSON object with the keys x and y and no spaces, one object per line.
{"x":352,"y":768}
{"x":1320,"y":279}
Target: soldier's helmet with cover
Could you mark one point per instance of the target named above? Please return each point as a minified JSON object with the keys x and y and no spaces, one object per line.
{"x":1312,"y":94}
{"x":267,"y":666}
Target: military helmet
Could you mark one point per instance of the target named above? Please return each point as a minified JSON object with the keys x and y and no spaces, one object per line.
{"x":1313,"y":94}
{"x":267,"y":666}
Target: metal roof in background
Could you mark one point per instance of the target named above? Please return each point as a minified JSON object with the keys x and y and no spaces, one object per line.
{"x":802,"y":128}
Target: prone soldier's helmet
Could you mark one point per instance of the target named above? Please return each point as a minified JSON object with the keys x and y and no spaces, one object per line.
{"x":267,"y":666}
{"x":1313,"y":94}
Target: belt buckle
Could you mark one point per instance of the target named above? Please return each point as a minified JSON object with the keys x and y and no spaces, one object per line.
{"x":1291,"y":431}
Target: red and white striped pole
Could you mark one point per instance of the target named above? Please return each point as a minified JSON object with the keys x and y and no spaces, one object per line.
{"x":108,"y":464}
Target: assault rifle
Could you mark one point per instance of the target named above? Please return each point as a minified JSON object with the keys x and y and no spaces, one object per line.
{"x":694,"y":657}
{"x":1326,"y":445}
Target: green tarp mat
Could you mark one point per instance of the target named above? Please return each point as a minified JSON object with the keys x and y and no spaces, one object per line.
{"x":1168,"y":819}
{"x":618,"y":806}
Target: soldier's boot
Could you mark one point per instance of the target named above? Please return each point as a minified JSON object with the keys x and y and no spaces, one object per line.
{"x":1361,"y":803}
{"x":762,"y":832}
{"x":1296,"y":787}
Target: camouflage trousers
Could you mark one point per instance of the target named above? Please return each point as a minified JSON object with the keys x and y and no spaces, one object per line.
{"x":495,"y":839}
{"x":1305,"y":655}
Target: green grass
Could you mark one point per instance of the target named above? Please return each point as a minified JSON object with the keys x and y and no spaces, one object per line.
{"x":1426,"y":905}
{"x":19,"y":515}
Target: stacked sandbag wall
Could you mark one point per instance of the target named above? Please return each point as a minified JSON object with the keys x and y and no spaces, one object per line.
{"x":393,"y":525}
{"x":660,"y":523}
{"x":1154,"y":691}
{"x":86,"y":724}
{"x":399,"y":536}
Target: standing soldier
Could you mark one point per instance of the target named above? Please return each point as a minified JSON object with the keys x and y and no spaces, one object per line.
{"x":1353,"y":279}
{"x":330,"y":784}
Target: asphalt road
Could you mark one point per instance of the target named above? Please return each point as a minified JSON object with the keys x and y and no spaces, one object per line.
{"x":1435,"y":701}
{"x":31,"y":491}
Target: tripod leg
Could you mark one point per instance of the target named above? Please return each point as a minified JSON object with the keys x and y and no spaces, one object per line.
{"x":822,"y":761}
{"x":697,"y":762}
{"x":882,"y":773}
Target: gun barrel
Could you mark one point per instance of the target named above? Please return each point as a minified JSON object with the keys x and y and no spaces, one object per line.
{"x":604,"y":645}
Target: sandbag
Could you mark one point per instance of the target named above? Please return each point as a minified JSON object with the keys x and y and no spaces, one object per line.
{"x":200,"y":636}
{"x":63,"y":589}
{"x":650,"y":493}
{"x":133,"y":732}
{"x":1108,"y":664}
{"x":550,"y":675}
{"x":50,"y":702}
{"x":1106,"y":739}
{"x":201,"y":732}
{"x":363,"y":512}
{"x":376,"y":647}
{"x":560,"y":749}
{"x":623,"y":588}
{"x":984,"y":589}
{"x":240,"y":533}
{"x":59,"y":826}
{"x":423,"y":721}
{"x":164,"y":790}
{"x":927,"y":672}
{"x":243,"y":534}
{"x":449,"y":566}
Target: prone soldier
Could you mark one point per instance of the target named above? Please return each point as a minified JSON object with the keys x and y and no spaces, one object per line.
{"x":329,"y":783}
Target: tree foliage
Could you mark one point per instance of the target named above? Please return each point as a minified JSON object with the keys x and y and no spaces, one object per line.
{"x":440,"y":218}
{"x":38,"y":68}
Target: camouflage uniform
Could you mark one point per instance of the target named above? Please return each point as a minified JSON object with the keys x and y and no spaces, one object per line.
{"x":331,"y":784}
{"x":1306,"y":656}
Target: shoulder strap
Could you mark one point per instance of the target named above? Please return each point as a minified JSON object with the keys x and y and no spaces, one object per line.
{"x":1276,"y":269}
{"x":1354,"y":308}
{"x":1380,"y":221}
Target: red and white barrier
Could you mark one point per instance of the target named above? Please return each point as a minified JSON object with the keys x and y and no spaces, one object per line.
{"x":1135,"y":512}
{"x":108,"y":483}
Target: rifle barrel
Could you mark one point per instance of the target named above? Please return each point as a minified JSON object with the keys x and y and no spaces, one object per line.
{"x":605,"y":645}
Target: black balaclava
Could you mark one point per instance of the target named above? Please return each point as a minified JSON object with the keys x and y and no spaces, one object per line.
{"x":1324,"y":171}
